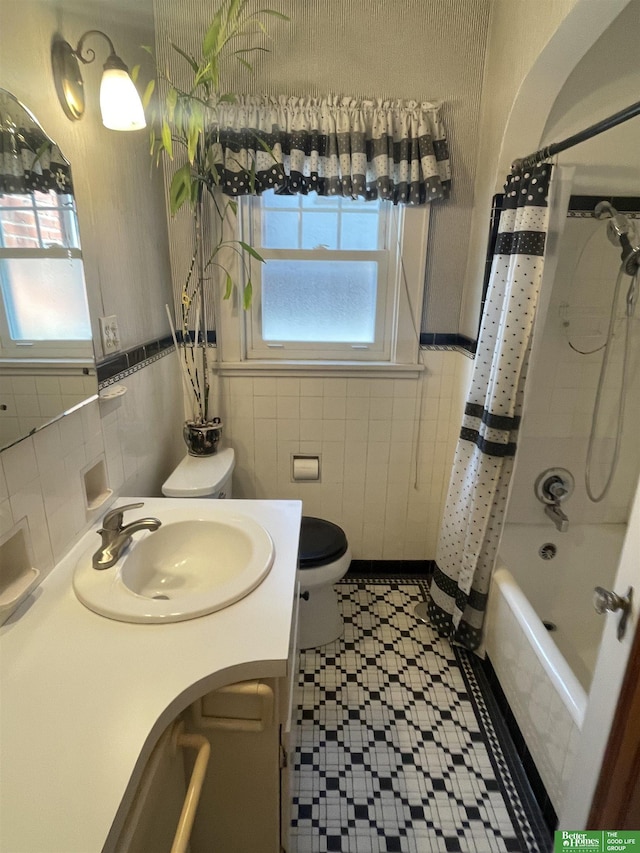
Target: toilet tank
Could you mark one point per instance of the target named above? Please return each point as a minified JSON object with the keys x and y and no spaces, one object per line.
{"x":202,"y":476}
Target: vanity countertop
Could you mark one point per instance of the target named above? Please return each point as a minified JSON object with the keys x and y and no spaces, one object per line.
{"x":84,"y":698}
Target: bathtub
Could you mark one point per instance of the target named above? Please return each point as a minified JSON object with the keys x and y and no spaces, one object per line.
{"x":545,"y":672}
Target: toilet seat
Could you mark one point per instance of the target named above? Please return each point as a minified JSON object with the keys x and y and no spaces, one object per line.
{"x":323,"y":559}
{"x":321,"y":542}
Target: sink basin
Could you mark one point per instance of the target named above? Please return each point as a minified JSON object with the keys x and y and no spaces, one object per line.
{"x":185,"y":569}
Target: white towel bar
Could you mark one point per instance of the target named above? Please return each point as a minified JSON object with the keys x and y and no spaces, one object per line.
{"x":185,"y":824}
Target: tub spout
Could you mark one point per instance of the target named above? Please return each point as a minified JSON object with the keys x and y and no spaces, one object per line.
{"x":557,"y":516}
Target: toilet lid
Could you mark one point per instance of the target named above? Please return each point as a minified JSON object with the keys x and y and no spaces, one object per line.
{"x":200,"y":476}
{"x":321,"y":542}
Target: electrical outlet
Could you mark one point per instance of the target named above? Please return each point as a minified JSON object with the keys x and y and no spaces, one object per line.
{"x":109,"y":334}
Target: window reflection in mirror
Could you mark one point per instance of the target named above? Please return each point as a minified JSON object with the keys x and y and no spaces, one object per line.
{"x":46,"y":351}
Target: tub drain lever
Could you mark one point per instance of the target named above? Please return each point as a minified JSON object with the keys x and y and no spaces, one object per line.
{"x":604,"y":600}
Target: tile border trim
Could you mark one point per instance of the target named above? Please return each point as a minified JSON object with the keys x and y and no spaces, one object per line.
{"x":117,"y":367}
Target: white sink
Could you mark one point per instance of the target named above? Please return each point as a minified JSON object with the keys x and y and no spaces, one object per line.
{"x":186,"y":568}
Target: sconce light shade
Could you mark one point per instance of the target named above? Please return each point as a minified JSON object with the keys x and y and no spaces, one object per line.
{"x":120,"y":102}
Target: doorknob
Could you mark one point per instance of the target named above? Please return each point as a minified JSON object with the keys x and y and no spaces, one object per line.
{"x":604,"y":600}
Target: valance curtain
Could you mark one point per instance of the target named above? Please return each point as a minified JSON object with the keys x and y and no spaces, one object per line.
{"x":29,"y":161}
{"x":395,"y":150}
{"x":475,"y":506}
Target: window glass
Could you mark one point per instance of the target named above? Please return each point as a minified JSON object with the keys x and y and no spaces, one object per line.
{"x":45,"y":299}
{"x":315,"y":301}
{"x":41,"y":272}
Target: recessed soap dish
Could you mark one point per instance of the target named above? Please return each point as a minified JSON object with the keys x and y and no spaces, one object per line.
{"x":15,"y":592}
{"x":17,"y":575}
{"x":96,"y":490}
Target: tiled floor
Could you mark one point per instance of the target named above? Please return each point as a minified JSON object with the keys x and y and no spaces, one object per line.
{"x":396,"y":749}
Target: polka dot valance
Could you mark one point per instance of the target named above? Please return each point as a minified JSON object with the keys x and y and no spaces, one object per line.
{"x":394,"y":150}
{"x":30,"y":162}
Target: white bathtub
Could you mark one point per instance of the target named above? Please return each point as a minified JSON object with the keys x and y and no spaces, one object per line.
{"x":546,"y":675}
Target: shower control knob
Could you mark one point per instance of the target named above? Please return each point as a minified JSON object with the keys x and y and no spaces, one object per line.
{"x":554,"y":485}
{"x":606,"y":601}
{"x":556,"y":488}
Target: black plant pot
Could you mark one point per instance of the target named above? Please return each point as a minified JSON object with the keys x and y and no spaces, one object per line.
{"x":202,"y":439}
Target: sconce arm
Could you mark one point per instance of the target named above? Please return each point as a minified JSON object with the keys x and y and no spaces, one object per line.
{"x":91,"y":54}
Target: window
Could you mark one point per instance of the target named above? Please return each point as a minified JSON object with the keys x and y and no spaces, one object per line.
{"x":331,"y":284}
{"x":43,"y":309}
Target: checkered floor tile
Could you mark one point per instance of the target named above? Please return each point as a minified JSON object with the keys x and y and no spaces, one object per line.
{"x":395,"y":748}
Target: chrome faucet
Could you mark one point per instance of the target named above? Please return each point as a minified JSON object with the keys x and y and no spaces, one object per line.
{"x":557,"y":516}
{"x":116,"y":537}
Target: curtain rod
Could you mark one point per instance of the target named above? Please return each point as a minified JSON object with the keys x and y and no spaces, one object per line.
{"x":556,"y":147}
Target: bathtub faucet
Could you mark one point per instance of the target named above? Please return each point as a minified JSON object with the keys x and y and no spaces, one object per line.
{"x":557,"y":516}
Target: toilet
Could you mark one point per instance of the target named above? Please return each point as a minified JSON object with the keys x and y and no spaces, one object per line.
{"x":323,"y":557}
{"x":202,"y":476}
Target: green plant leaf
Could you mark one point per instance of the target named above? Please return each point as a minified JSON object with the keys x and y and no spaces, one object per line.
{"x":273,"y":13}
{"x":148,"y":92}
{"x":247,"y":295}
{"x":228,"y":290}
{"x":258,"y":24}
{"x":190,"y":59}
{"x":246,"y":64}
{"x":193,"y":134}
{"x":203,"y":76}
{"x":210,"y":41}
{"x":180,"y":189}
{"x":251,"y":251}
{"x":233,"y":205}
{"x":171,"y":101}
{"x":251,"y":50}
{"x":40,"y":152}
{"x":166,"y":139}
{"x":228,"y":98}
{"x":134,"y":73}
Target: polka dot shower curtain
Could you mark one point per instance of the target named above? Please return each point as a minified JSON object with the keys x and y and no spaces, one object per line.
{"x":476,"y":501}
{"x":393,"y":150}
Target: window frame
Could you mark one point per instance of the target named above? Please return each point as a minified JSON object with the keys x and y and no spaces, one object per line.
{"x":51,"y":348}
{"x":403,"y":356}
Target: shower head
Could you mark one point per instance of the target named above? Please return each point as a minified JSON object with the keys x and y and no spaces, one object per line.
{"x":621,"y":231}
{"x":630,"y":256}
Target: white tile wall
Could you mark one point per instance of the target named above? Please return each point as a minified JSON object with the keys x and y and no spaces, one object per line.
{"x":29,"y":402}
{"x":384,"y":469}
{"x":386,"y":447}
{"x":139,"y":437}
{"x":562,"y":384}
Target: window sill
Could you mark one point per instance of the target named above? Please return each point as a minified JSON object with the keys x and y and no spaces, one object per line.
{"x":369,"y":369}
{"x":71,"y":365}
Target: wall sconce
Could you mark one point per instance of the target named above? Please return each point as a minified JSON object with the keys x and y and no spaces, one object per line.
{"x":120,"y":102}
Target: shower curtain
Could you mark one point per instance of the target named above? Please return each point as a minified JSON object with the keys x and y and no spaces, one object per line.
{"x":476,"y":501}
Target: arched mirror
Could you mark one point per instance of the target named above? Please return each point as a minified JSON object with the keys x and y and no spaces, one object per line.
{"x":47,"y":363}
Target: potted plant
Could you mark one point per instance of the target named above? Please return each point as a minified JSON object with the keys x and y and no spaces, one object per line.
{"x":185,"y":133}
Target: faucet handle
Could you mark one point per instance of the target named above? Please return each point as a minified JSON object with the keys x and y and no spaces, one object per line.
{"x":113,"y":519}
{"x":556,"y":487}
